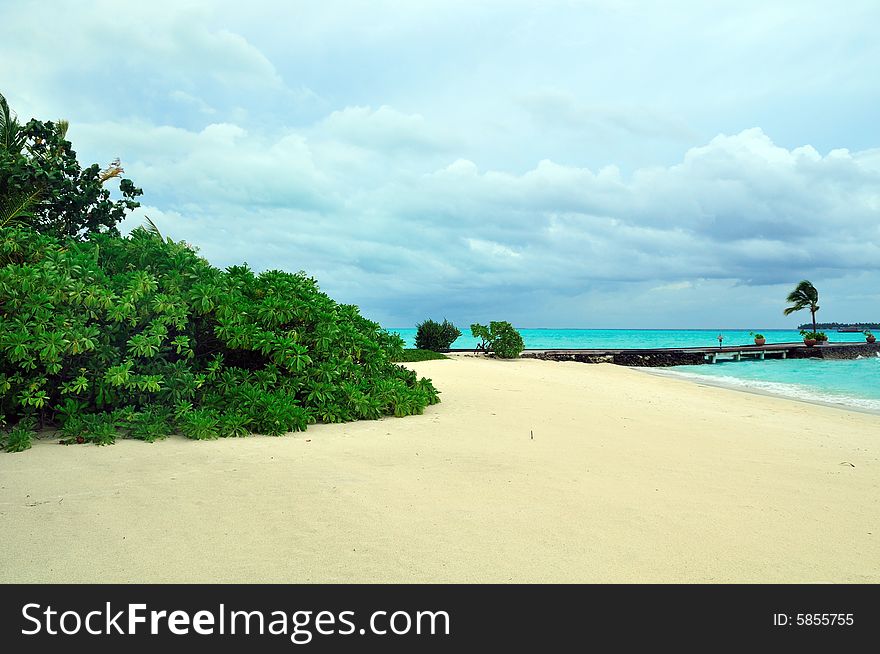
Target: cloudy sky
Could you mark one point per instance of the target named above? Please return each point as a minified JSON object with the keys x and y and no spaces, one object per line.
{"x":556,"y":164}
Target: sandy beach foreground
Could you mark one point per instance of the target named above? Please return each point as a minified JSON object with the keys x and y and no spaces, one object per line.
{"x":629,"y":478}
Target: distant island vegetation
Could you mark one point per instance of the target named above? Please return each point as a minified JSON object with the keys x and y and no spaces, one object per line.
{"x":860,"y":326}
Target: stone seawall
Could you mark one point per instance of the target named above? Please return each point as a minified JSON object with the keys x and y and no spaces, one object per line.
{"x":839,"y":351}
{"x":656,"y":359}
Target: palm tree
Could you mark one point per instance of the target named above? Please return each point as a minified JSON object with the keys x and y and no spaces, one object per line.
{"x":11,"y":133}
{"x":17,"y":206}
{"x":804,"y":296}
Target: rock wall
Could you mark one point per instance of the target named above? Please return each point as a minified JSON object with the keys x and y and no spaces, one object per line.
{"x":653,"y":359}
{"x":664,"y":358}
{"x":851,"y":351}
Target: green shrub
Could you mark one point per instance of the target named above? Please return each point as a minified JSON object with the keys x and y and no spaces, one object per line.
{"x":97,"y":428}
{"x":432,"y":335}
{"x":150,"y":424}
{"x":138,"y":337}
{"x":19,"y":437}
{"x":232,"y":424}
{"x":500,"y":338}
{"x":410,"y":356}
{"x":200,"y":424}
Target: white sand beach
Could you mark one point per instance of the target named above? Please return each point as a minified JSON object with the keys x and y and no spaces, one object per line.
{"x":630,"y":477}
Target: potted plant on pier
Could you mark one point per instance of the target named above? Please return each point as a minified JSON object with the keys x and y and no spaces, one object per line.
{"x":810,"y":338}
{"x":821,"y":338}
{"x":869,"y":337}
{"x":759,"y":338}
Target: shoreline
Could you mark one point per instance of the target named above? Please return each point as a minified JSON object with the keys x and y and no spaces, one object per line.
{"x":706,"y":380}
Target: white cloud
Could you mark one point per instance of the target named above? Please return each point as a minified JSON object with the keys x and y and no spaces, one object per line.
{"x":675,"y":286}
{"x":738,"y":210}
{"x":491,"y":249}
{"x":383,"y":129}
{"x":555,"y":109}
{"x":190,"y":100}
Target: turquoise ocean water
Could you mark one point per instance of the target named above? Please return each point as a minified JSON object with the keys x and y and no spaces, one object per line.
{"x":852,"y":383}
{"x":638,"y":338}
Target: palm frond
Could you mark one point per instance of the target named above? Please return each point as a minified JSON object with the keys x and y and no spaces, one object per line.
{"x":62,"y":126}
{"x":804,"y":296}
{"x":11,"y":137}
{"x":14,"y":208}
{"x":150,"y":227}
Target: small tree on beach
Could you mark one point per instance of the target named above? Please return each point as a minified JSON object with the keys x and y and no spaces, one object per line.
{"x":804,"y":296}
{"x":500,"y":338}
{"x":433,"y":335}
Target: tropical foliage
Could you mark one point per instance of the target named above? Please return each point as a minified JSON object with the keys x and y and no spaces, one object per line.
{"x":500,"y":338}
{"x":804,"y":296}
{"x":43,"y":185}
{"x":411,"y":356}
{"x":432,"y":335}
{"x":848,"y":326}
{"x":140,"y":337}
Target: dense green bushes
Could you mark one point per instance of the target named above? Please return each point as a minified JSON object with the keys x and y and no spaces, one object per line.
{"x":105,"y":336}
{"x":139,"y":337}
{"x":500,"y":338}
{"x":411,"y":356}
{"x":432,"y":335}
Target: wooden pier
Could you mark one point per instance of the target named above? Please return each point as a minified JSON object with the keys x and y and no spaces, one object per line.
{"x":738,"y":354}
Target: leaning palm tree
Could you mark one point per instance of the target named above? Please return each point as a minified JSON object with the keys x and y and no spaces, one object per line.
{"x":804,"y":296}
